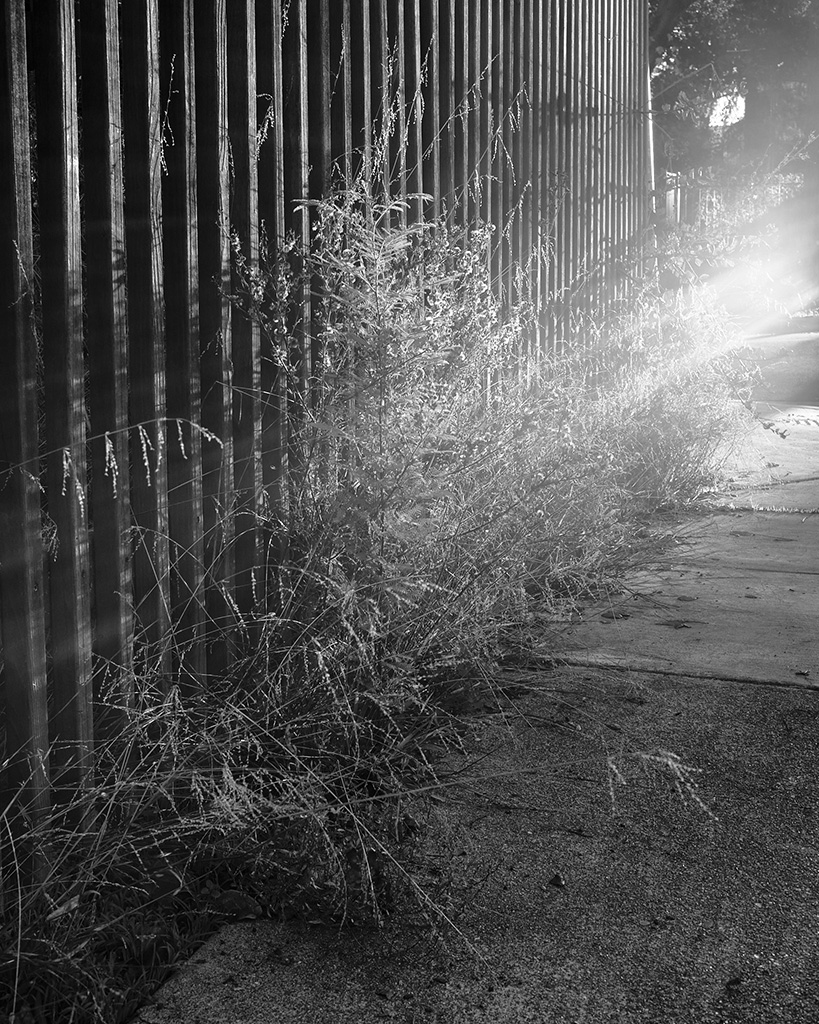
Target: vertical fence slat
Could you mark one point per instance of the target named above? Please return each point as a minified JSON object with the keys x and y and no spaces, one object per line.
{"x":400,"y":139}
{"x":297,"y":217}
{"x":451,"y":182}
{"x":547,"y":144}
{"x":607,"y":119}
{"x":573,"y":178}
{"x":142,"y":118}
{"x":593,"y":153}
{"x":625,"y":74}
{"x":538,"y":168}
{"x":297,"y":165}
{"x":472,"y":92}
{"x":347,"y":91}
{"x":519,"y":178}
{"x":367,"y":87}
{"x":25,"y":780}
{"x":562,"y":167}
{"x":107,"y":340}
{"x":639,"y":183}
{"x":580,"y":130}
{"x":494,"y":133}
{"x":503,"y":169}
{"x":434,"y":111}
{"x":61,"y":280}
{"x":557,"y":168}
{"x":215,"y":318}
{"x":625,"y":78}
{"x":463,"y":52}
{"x":619,"y":136}
{"x":625,"y":41}
{"x":244,"y":226}
{"x":584,"y":214}
{"x":628,"y":121}
{"x":634,"y":126}
{"x":458,"y":127}
{"x":180,"y":243}
{"x":416,"y":106}
{"x":527,"y":74}
{"x":320,"y":96}
{"x":647,"y":134}
{"x":383,"y":85}
{"x":274,"y":438}
{"x":325,"y":104}
{"x":446,"y":104}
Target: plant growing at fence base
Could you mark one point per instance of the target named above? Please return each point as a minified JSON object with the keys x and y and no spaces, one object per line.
{"x":447,"y":494}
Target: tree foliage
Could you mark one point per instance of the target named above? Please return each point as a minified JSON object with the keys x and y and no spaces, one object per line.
{"x":744,"y":40}
{"x":763,"y":50}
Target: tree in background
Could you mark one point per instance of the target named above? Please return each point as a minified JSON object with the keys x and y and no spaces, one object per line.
{"x":760,"y":51}
{"x":755,"y":62}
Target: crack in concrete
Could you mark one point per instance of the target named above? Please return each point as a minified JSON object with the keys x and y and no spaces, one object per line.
{"x":694,"y":566}
{"x":779,"y":509}
{"x":647,"y":667}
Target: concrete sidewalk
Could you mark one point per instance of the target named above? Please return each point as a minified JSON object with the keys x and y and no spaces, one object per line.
{"x":635,"y":839}
{"x":737,"y":596}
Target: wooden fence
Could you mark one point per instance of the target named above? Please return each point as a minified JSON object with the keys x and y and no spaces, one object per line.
{"x":143,"y":419}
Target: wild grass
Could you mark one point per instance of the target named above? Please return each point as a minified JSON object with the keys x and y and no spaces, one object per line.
{"x":448,"y":491}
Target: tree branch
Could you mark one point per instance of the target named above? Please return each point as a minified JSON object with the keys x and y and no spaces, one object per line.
{"x":665,"y":16}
